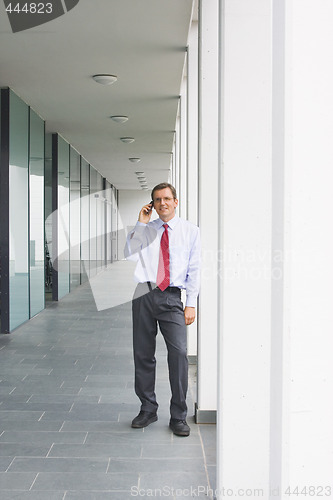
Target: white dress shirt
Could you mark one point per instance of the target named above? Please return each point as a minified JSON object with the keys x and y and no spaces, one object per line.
{"x":143,"y":246}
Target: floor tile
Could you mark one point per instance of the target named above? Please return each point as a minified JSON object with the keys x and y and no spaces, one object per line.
{"x":5,"y":463}
{"x":59,"y":465}
{"x":23,"y":450}
{"x":83,"y":481}
{"x":31,"y":495}
{"x":98,"y":495}
{"x":17,"y":480}
{"x":167,"y":451}
{"x":96,"y":450}
{"x":44,"y":437}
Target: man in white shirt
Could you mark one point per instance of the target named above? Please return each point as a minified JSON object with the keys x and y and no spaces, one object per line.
{"x":167,"y":251}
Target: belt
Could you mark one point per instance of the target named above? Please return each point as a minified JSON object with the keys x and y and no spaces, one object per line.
{"x":172,"y":289}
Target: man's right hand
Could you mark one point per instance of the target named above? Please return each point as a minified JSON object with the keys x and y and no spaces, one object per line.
{"x":145,"y":213}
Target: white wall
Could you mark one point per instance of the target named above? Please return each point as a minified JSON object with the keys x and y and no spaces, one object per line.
{"x":308,"y":374}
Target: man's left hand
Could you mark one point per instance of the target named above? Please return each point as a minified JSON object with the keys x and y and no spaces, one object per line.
{"x":189,"y":313}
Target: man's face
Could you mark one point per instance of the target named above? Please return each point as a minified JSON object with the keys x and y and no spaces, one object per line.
{"x":165,"y":204}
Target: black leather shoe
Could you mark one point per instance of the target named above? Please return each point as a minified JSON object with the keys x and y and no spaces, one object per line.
{"x":179,"y":427}
{"x":143,"y":419}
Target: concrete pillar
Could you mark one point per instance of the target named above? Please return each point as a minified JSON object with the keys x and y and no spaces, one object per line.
{"x":208,"y":209}
{"x":307,"y":430}
{"x":177,"y":155}
{"x":192,"y":124}
{"x":245,"y":244}
{"x":275,"y":437}
{"x":192,"y":158}
{"x":182,"y":190}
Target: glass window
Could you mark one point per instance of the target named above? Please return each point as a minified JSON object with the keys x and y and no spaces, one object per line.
{"x":75,"y":229}
{"x":93,"y":221}
{"x":63,"y":241}
{"x":18,"y":212}
{"x":114,"y":224}
{"x":85,"y":220}
{"x":36,"y":203}
{"x":48,"y":216}
{"x":100,"y":223}
{"x":108,"y":198}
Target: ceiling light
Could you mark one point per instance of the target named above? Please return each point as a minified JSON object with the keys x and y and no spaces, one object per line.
{"x":134,"y":160}
{"x":105,"y":79}
{"x":127,"y":140}
{"x":139,"y":173}
{"x":119,"y":119}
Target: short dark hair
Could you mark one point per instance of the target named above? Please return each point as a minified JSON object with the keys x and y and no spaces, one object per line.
{"x":164,"y":185}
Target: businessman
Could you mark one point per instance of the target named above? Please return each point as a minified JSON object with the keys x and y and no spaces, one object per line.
{"x":167,"y":251}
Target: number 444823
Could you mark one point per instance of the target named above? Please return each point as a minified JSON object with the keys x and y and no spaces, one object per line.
{"x":311,"y":491}
{"x":30,"y":8}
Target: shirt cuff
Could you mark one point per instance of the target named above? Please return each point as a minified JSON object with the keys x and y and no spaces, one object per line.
{"x":191,"y":301}
{"x":140,"y":224}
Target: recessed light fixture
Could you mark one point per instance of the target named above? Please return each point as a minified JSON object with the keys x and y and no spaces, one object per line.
{"x":119,"y":119}
{"x":139,"y":173}
{"x":134,"y":160}
{"x":127,"y":140}
{"x":105,"y":79}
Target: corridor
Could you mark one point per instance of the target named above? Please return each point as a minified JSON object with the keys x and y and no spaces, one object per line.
{"x":67,"y":400}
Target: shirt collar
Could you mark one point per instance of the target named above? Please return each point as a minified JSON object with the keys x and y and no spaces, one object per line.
{"x":171,"y":223}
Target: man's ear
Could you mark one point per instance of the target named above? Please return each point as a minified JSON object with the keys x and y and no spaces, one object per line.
{"x":176,"y":202}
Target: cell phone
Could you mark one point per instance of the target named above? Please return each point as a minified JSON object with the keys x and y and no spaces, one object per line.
{"x":152,"y":205}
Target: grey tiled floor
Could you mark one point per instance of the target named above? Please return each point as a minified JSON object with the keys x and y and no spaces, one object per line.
{"x":67,"y":400}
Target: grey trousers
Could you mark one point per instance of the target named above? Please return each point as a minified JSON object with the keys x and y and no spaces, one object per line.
{"x":166,"y":310}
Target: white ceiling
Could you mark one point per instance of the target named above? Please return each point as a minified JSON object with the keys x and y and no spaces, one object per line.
{"x":143,"y":42}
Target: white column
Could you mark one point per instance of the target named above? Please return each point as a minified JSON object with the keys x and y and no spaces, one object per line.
{"x":308,"y":387}
{"x":182,"y":194}
{"x":172,"y":174}
{"x":192,"y":157}
{"x":275,"y":410}
{"x":177,"y":155}
{"x":192,"y":124}
{"x":245,"y":217}
{"x":208,"y":209}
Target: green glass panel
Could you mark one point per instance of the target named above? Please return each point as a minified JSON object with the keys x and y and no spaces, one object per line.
{"x":48,"y":216}
{"x":18,"y":211}
{"x":93,"y":221}
{"x":36,"y":188}
{"x":75,"y":229}
{"x":100,"y":223}
{"x":63,"y":218}
{"x":85,"y":220}
{"x":108,"y":197}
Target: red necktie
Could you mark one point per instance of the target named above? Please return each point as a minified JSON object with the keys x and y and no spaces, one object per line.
{"x":163,"y":272}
